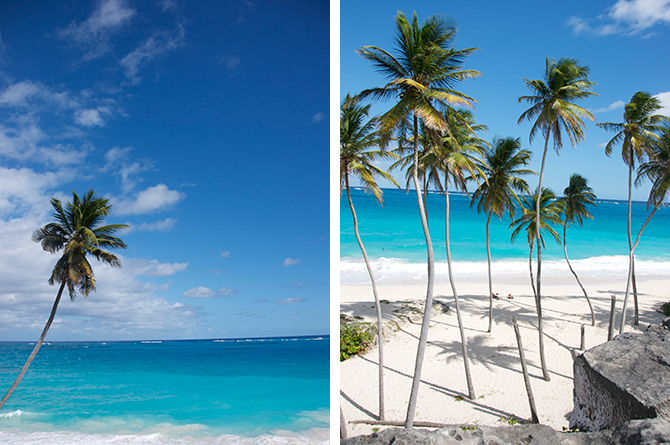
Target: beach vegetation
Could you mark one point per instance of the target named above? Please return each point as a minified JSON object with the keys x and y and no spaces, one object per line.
{"x":664,"y":309}
{"x":359,"y":148}
{"x":77,"y":231}
{"x":576,"y":196}
{"x":355,"y":338}
{"x":637,"y":134}
{"x":554,"y":111}
{"x":503,"y":166}
{"x":421,"y":74}
{"x":510,"y":420}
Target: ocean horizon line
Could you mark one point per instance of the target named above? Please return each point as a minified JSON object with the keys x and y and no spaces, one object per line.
{"x":148,"y":340}
{"x":459,"y":193}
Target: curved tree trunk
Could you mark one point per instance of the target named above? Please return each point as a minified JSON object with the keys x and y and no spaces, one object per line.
{"x":630,"y":230}
{"x":565,"y":250}
{"x":423,"y":338}
{"x":37,"y":348}
{"x":630,"y":270}
{"x":464,"y":346}
{"x":380,"y":336}
{"x":538,"y":297}
{"x":488,"y":254}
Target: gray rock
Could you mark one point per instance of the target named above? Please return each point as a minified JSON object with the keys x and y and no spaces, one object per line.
{"x":623,"y":379}
{"x":635,"y":432}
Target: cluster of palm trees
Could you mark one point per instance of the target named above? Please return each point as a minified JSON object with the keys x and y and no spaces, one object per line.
{"x":437,"y":146}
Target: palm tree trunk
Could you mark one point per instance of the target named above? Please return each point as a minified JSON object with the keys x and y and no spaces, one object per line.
{"x":37,"y":348}
{"x":423,"y":338}
{"x":565,"y":250}
{"x":538,"y":296}
{"x":530,"y":266}
{"x":488,"y":254}
{"x":380,"y":336}
{"x":631,"y":165}
{"x":630,"y":270}
{"x":464,"y":346}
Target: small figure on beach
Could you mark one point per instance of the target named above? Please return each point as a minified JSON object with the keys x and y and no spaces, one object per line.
{"x":510,"y":297}
{"x":496,"y":296}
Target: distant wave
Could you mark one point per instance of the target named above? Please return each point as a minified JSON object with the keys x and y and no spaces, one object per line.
{"x":353,"y":271}
{"x":313,"y":436}
{"x":270,"y":339}
{"x":151,"y":341}
{"x":16,"y":413}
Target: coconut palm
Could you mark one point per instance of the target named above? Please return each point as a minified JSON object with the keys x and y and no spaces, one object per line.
{"x":357,"y":154}
{"x":77,"y":232}
{"x":576,"y":196}
{"x":421,"y":77}
{"x":502,"y":165}
{"x":550,"y":210}
{"x":636,"y":134}
{"x":553,"y":109}
{"x":657,"y":169}
{"x":452,"y":160}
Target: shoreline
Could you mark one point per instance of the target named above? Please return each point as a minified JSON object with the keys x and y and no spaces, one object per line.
{"x":494,"y":362}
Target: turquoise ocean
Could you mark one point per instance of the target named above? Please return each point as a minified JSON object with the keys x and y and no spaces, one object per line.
{"x":395,"y":243}
{"x":241,"y":391}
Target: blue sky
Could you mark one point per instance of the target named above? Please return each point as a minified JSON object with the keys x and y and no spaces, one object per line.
{"x":206,"y":125}
{"x":625,"y":44}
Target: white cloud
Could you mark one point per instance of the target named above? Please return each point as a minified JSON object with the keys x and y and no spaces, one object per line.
{"x":206,"y":292}
{"x":290,"y":261}
{"x":158,"y":226}
{"x":625,"y":17}
{"x":291,"y":301}
{"x":664,"y":98}
{"x":225,"y":254}
{"x":616,"y":105}
{"x":318,"y":117}
{"x":90,"y":117}
{"x":153,"y":199}
{"x":18,"y":93}
{"x":155,"y":46}
{"x":93,"y":34}
{"x":154,"y":268}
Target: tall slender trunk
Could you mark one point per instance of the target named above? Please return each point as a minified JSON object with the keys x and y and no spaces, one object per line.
{"x":423,"y":338}
{"x":35,"y":349}
{"x":565,"y":250}
{"x":630,"y":270}
{"x":488,"y":254}
{"x":538,"y":304}
{"x":538,"y":296}
{"x":464,"y":345}
{"x":631,"y":167}
{"x":530,"y":266}
{"x":378,"y":306}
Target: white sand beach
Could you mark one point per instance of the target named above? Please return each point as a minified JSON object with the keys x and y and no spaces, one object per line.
{"x":495,"y":365}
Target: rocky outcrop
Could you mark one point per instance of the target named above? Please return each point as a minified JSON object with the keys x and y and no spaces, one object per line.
{"x":638,"y":432}
{"x":623,"y":379}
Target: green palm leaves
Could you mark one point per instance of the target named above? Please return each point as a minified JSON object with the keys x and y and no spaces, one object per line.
{"x":423,"y":74}
{"x":77,"y":232}
{"x":552,"y":100}
{"x":550,"y":214}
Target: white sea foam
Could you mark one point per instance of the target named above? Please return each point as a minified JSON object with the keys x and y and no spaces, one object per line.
{"x":16,"y":413}
{"x":314,"y":436}
{"x":353,"y":271}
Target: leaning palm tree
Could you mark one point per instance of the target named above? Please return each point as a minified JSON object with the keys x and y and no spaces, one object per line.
{"x":576,"y":196}
{"x":502,"y":165}
{"x":357,"y":142}
{"x":77,"y":232}
{"x":657,"y":169}
{"x":553,"y":109}
{"x":421,"y":77}
{"x":451,"y":160}
{"x":636,"y":134}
